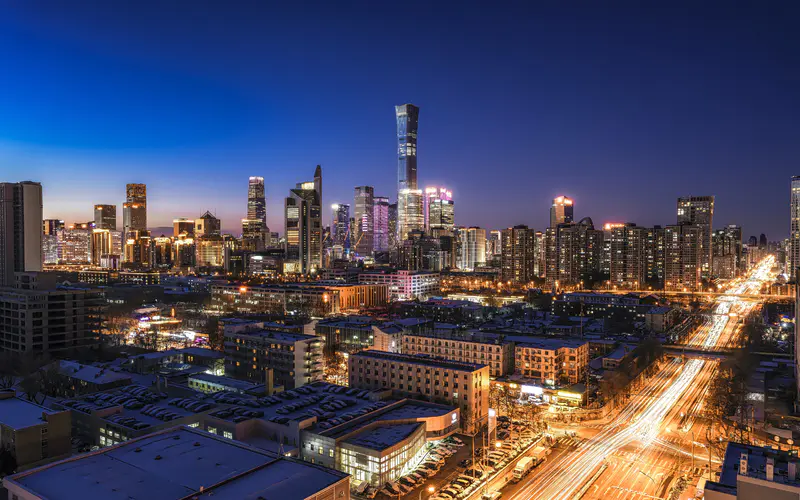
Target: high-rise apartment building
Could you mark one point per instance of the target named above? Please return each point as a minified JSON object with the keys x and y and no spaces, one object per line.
{"x":51,"y":232}
{"x":726,"y":245}
{"x":628,"y":257}
{"x":393,"y":225}
{"x":134,"y":210}
{"x":699,"y":211}
{"x":410,"y":213}
{"x":20,"y":229}
{"x":471,"y":248}
{"x":137,"y":248}
{"x":364,"y":229}
{"x":793,"y":259}
{"x":439,"y":210}
{"x":105,"y":217}
{"x":562,"y":211}
{"x":494,"y":247}
{"x":655,"y":258}
{"x":76,"y":243}
{"x":682,"y":256}
{"x":518,"y":257}
{"x":303,"y":224}
{"x":340,"y":226}
{"x":578,"y":252}
{"x":380,"y":222}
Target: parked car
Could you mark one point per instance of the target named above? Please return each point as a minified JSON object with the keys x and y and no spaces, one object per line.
{"x":465,"y":463}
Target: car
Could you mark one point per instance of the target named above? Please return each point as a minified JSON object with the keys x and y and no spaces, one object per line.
{"x":465,"y":463}
{"x":503,"y":418}
{"x":447,"y":495}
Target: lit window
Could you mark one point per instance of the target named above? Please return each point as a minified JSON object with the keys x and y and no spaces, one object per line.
{"x":212,"y":430}
{"x":227,"y":434}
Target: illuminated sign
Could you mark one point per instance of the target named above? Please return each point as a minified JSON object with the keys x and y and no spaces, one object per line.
{"x":569,"y":395}
{"x":531,"y":389}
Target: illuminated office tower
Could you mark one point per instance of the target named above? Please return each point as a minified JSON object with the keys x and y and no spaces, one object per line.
{"x":101,"y":245}
{"x":51,"y":229}
{"x":105,"y":217}
{"x":76,"y":243}
{"x":562,"y":211}
{"x":137,"y":248}
{"x":20,"y":229}
{"x":471,"y":248}
{"x":628,"y":257}
{"x":161,"y":252}
{"x":793,"y":259}
{"x":699,"y":211}
{"x":210,"y":250}
{"x":182,"y":226}
{"x":255,"y":233}
{"x":183,"y":251}
{"x":726,"y":244}
{"x":392,"y":225}
{"x":410,"y":216}
{"x":303,"y":226}
{"x":363,"y":230}
{"x":207,"y":225}
{"x":439,"y":211}
{"x":380,"y":221}
{"x":682,"y":256}
{"x":134,"y":210}
{"x":340,"y":226}
{"x":518,"y":254}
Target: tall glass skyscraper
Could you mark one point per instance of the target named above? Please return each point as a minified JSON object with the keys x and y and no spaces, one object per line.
{"x":134,"y":210}
{"x":794,"y":229}
{"x":256,"y":201}
{"x":363,"y":232}
{"x":409,"y":198}
{"x":340,"y":226}
{"x":380,"y":223}
{"x":438,"y":209}
{"x":255,"y":233}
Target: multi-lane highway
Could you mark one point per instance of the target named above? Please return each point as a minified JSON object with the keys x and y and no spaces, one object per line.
{"x":636,"y":454}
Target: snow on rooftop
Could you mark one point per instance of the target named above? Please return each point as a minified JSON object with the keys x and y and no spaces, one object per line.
{"x":91,"y":374}
{"x":380,"y":438}
{"x":173,"y":464}
{"x":18,"y":413}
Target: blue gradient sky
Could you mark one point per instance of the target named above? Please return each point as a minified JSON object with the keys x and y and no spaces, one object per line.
{"x":623,"y":107}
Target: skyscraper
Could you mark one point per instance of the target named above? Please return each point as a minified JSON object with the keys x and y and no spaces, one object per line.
{"x":20,"y":229}
{"x":393,"y":225}
{"x":577,"y":250}
{"x":134,"y":210}
{"x":439,"y":210}
{"x":699,"y":211}
{"x":207,"y":225}
{"x":340,"y":226}
{"x":363,"y":232}
{"x":380,"y":221}
{"x":182,"y":226}
{"x":726,"y":245}
{"x":255,"y":233}
{"x":682,"y":256}
{"x":410,"y":214}
{"x":654,"y":255}
{"x":561,"y":211}
{"x":303,"y":224}
{"x":51,"y":229}
{"x":794,"y":229}
{"x":105,"y":217}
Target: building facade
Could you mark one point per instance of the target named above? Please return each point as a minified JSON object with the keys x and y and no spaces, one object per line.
{"x":553,"y":361}
{"x":303,"y":226}
{"x":518,"y":259}
{"x":562,"y":211}
{"x":699,"y":211}
{"x":20,"y":229}
{"x":364,"y":216}
{"x":134,"y":210}
{"x":105,"y":217}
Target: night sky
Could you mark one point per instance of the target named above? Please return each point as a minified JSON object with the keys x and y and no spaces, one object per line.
{"x":622,"y":107}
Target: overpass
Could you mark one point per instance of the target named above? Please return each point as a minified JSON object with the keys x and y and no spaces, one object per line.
{"x":717,"y":353}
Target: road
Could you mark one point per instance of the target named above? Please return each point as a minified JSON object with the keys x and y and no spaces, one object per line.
{"x":641,"y":451}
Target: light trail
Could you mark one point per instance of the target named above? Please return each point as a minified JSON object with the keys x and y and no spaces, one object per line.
{"x":642,"y":417}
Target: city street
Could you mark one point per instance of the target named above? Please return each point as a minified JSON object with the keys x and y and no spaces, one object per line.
{"x":643,"y":450}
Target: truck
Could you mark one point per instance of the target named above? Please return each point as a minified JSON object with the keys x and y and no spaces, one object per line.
{"x":539,"y":454}
{"x":523,"y":467}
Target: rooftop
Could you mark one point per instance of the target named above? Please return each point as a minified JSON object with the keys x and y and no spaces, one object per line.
{"x":546,"y":343}
{"x":19,"y":414}
{"x":276,"y":335}
{"x":174,"y":464}
{"x":380,"y":438}
{"x":242,"y":385}
{"x":91,"y":374}
{"x":406,"y":409}
{"x":418,"y":359}
{"x":756,"y":466}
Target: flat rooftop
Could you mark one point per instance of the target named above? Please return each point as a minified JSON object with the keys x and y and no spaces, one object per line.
{"x":91,"y":374}
{"x":419,"y":360}
{"x":380,"y":438}
{"x":276,"y":335}
{"x":756,"y":464}
{"x":19,"y":414}
{"x":242,"y":385}
{"x":546,"y":343}
{"x":174,"y":464}
{"x":407,"y":409}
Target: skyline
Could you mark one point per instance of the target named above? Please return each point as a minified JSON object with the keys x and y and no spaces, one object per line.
{"x":180,"y":106}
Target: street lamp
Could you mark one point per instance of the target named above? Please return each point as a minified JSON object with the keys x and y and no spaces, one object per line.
{"x":430,"y":489}
{"x":498,"y":444}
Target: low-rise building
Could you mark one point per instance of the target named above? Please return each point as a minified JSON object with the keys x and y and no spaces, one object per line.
{"x":207,"y":383}
{"x":404,"y":285}
{"x":468,"y":347}
{"x":87,"y":378}
{"x":154,"y":362}
{"x":552,"y":361}
{"x":179,"y":463}
{"x":445,"y":310}
{"x":294,"y":359}
{"x":755,"y":473}
{"x":314,"y":299}
{"x":660,"y":319}
{"x":604,"y":305}
{"x":34,"y":434}
{"x":465,"y":385}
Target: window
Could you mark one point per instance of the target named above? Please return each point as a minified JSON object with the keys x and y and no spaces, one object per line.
{"x":321,"y":450}
{"x":330,"y":452}
{"x":212,"y":430}
{"x":227,"y":434}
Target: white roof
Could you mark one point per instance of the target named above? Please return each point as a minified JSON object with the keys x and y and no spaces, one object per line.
{"x":19,"y":414}
{"x":173,"y":464}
